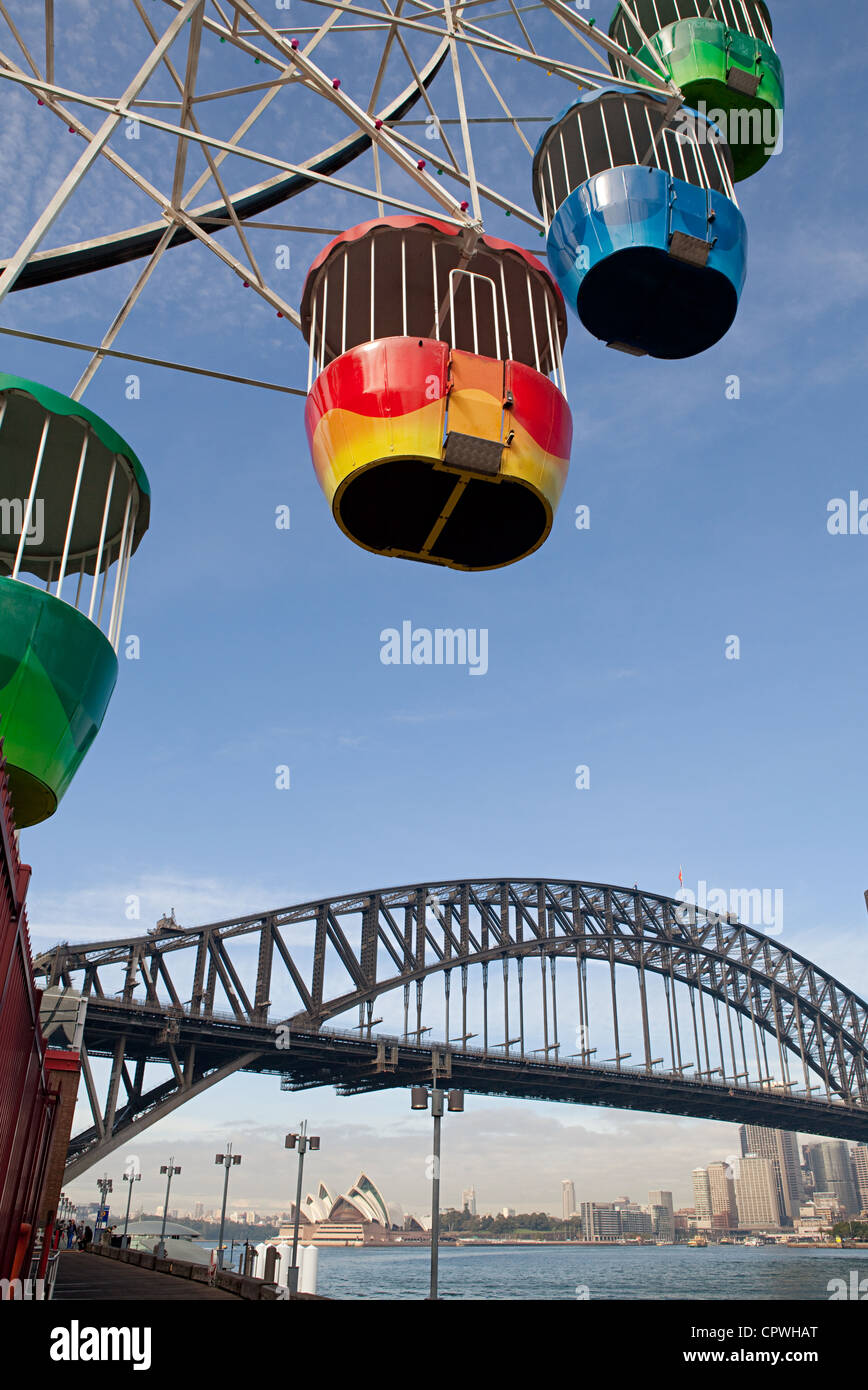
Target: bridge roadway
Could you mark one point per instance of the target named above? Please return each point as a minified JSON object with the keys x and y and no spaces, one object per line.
{"x":355,"y":1064}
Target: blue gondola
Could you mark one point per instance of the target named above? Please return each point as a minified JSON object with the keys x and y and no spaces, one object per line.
{"x":645,"y":237}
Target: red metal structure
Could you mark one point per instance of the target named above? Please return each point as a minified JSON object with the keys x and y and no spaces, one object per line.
{"x":27,"y":1103}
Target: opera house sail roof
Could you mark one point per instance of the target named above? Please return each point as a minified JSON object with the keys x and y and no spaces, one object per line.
{"x":363,"y":1201}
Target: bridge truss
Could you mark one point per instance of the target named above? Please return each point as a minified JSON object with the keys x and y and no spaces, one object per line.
{"x":512,"y":987}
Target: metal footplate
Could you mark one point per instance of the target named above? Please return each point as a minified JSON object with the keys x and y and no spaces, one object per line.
{"x":692,"y":249}
{"x":473,"y":455}
{"x":629,"y":349}
{"x":746,"y":83}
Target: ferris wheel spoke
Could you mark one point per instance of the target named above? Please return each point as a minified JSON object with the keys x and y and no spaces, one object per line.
{"x":582,"y":28}
{"x":49,"y":40}
{"x":520,"y":23}
{"x":177,"y":214}
{"x":273,"y":91}
{"x":387,"y":51}
{"x":646,"y":42}
{"x":187,"y":91}
{"x":231,"y":35}
{"x":477,"y":37}
{"x":423,"y":92}
{"x":491,"y":195}
{"x":222,"y":13}
{"x":332,"y":91}
{"x":375,"y":93}
{"x":503,"y":103}
{"x":404,"y":21}
{"x":97,"y":143}
{"x":18,"y":39}
{"x":120,"y":318}
{"x":462,"y":112}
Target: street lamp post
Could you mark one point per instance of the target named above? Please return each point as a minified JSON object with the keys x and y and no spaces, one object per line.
{"x":454,"y":1103}
{"x":130,"y":1178}
{"x":105,"y":1186}
{"x":302,"y":1141}
{"x":227,"y":1161}
{"x":170,"y":1168}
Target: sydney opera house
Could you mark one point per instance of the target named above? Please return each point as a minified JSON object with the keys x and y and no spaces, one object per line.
{"x":359,"y":1216}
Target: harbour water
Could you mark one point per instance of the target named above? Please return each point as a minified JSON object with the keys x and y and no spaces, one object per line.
{"x":607,"y":1272}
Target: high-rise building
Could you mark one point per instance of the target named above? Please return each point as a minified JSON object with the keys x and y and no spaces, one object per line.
{"x":636,"y":1223}
{"x":860,"y":1172}
{"x":756,"y":1194}
{"x":568,"y":1198}
{"x":600,"y":1222}
{"x":468,"y":1200}
{"x":724,"y":1213}
{"x":702,"y":1197}
{"x":662,"y":1214}
{"x":832,"y":1169}
{"x":782,"y":1148}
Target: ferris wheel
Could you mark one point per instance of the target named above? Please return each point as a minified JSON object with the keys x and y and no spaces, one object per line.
{"x":408,"y":131}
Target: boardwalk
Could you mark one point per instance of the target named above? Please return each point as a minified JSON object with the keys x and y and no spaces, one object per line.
{"x":93,"y":1279}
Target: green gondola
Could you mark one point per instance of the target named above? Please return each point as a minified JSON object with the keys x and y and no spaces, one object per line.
{"x":721,"y":54}
{"x":75,"y":503}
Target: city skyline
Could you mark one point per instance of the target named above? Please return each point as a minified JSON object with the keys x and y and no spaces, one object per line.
{"x":602,"y":1187}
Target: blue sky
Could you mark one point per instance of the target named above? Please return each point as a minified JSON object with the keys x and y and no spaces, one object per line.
{"x":261,"y":647}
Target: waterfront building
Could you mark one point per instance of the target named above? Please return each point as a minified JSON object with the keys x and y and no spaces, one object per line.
{"x":860,"y":1173}
{"x":468,"y":1201}
{"x":833,"y":1175}
{"x":781,"y":1147}
{"x":600,"y":1222}
{"x":663,"y":1218}
{"x":702,"y":1198}
{"x":816,"y":1219}
{"x":359,"y":1216}
{"x":756,"y":1194}
{"x":637,"y":1223}
{"x":683,"y":1219}
{"x":568,"y":1198}
{"x":724,"y":1213}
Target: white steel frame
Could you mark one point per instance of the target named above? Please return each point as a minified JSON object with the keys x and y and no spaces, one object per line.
{"x":457,"y":30}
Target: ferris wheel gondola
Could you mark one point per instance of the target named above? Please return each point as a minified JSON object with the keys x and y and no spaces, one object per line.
{"x":645,"y":238}
{"x":436,"y":420}
{"x":76,"y":507}
{"x":721,"y":54}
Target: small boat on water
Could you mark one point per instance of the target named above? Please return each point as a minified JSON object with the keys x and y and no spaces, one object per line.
{"x":697,"y":1242}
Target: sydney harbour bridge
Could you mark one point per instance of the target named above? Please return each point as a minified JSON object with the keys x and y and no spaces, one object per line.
{"x":579,"y":992}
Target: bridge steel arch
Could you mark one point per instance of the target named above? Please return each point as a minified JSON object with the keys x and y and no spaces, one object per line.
{"x":769,"y":1037}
